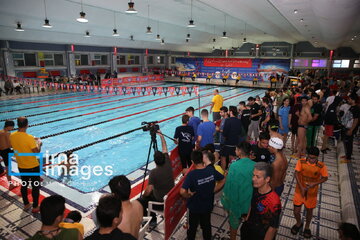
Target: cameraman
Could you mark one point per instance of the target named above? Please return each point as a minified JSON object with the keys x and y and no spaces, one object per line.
{"x":161,"y":179}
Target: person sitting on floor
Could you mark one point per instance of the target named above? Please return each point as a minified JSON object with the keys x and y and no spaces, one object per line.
{"x":72,"y":220}
{"x":52,"y":212}
{"x":109,"y":215}
{"x":132,"y":210}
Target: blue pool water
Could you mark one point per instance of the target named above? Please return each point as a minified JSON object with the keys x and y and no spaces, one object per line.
{"x":124,"y":154}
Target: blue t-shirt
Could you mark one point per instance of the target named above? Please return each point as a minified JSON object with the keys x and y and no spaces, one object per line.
{"x":206,"y":130}
{"x":202,"y":182}
{"x":194,"y":123}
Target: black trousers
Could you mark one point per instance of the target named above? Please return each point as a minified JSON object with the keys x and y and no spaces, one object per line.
{"x":348,"y":143}
{"x":205,"y":224}
{"x":34,"y":182}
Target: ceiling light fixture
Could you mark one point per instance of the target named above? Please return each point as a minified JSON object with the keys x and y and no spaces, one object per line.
{"x":244,"y":40}
{"x":87,"y":34}
{"x":115,"y":33}
{"x":132,"y":38}
{"x":191,"y":21}
{"x":82,"y":18}
{"x":148,"y":28}
{"x":316,"y":42}
{"x":188,"y":37}
{"x":214,"y":40}
{"x":131,"y":9}
{"x":158,"y":35}
{"x":187,"y":40}
{"x":295,"y":11}
{"x":301,"y":20}
{"x":47,"y":22}
{"x":18,"y":27}
{"x":352,"y":39}
{"x":162,"y":42}
{"x":224,"y":32}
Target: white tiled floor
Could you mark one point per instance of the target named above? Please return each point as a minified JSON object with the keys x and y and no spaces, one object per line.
{"x":17,"y":224}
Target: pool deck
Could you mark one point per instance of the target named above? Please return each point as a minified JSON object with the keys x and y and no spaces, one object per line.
{"x":338,"y":200}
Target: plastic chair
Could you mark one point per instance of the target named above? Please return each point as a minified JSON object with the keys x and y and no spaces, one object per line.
{"x":144,"y":228}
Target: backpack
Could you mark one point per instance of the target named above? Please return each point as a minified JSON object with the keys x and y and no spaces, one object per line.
{"x":347,"y":119}
{"x":330,"y":116}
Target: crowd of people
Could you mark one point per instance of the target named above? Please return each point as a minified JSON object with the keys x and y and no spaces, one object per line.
{"x":246,"y":172}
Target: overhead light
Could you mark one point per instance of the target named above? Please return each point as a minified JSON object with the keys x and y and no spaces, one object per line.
{"x":158,"y":37}
{"x":87,"y":34}
{"x":214,"y":40}
{"x":115,"y":33}
{"x":131,"y":9}
{"x":316,"y":42}
{"x":132,"y":38}
{"x":47,"y":24}
{"x":188,"y":37}
{"x":191,"y":24}
{"x":278,"y":49}
{"x":82,"y":18}
{"x":352,"y":39}
{"x":19,"y":28}
{"x":274,"y":49}
{"x":224,"y":35}
{"x":295,"y":11}
{"x":191,"y":21}
{"x":244,"y":40}
{"x":148,"y":30}
{"x":162,"y":42}
{"x":301,"y":20}
{"x":187,"y":40}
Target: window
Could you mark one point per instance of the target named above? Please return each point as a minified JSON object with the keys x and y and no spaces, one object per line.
{"x":357,"y":63}
{"x":318,"y":63}
{"x":173,"y":60}
{"x":53,"y":59}
{"x":24,"y":59}
{"x":341,"y":63}
{"x":100,"y":59}
{"x":81,"y":59}
{"x":133,"y":60}
{"x":121,"y":60}
{"x":160,"y":59}
{"x":301,"y":62}
{"x":150,"y":59}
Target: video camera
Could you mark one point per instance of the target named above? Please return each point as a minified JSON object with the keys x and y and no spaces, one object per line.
{"x":153,"y":127}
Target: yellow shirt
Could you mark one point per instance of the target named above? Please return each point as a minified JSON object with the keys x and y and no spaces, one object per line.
{"x":24,"y":143}
{"x":219,"y":169}
{"x":75,"y":225}
{"x":218,"y":102}
{"x":255,"y":79}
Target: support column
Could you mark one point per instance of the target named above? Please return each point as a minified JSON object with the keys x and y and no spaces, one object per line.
{"x":167,"y":61}
{"x":291,"y":56}
{"x":71,"y":63}
{"x":144,"y":64}
{"x":113,"y":62}
{"x":9,"y":69}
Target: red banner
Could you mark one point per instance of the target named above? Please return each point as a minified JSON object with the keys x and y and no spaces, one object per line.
{"x":228,"y":62}
{"x":175,"y":162}
{"x":175,"y":207}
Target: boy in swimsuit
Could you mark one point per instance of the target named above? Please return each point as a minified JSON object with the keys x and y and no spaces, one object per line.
{"x":304,"y":119}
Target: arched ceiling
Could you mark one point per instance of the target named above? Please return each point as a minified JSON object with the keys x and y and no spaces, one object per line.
{"x":326,"y":23}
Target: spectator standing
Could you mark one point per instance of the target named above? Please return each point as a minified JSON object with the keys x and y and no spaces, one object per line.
{"x":295,"y":113}
{"x":238,"y":187}
{"x":255,"y":118}
{"x":314,"y":125}
{"x":284,"y":119}
{"x":348,"y":231}
{"x":194,"y":122}
{"x":109,"y":215}
{"x":224,"y":115}
{"x":260,"y":151}
{"x":264,"y":216}
{"x":309,"y":174}
{"x":350,"y":121}
{"x":206,"y":130}
{"x":5,"y":149}
{"x":266,"y":114}
{"x":23,"y":142}
{"x":199,"y":187}
{"x":279,"y":165}
{"x":216,"y":104}
{"x":244,"y":114}
{"x":52,"y":211}
{"x":184,"y":136}
{"x":232,"y":134}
